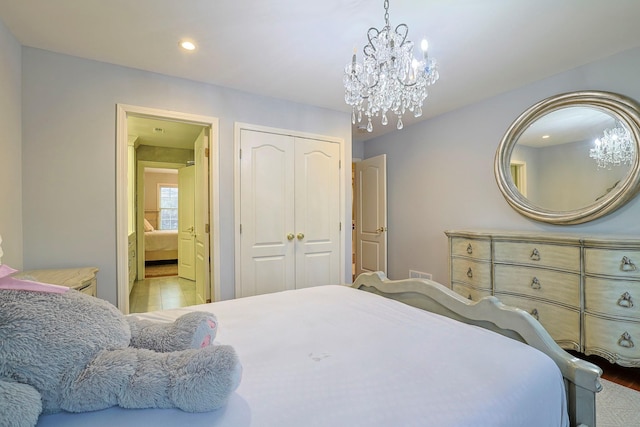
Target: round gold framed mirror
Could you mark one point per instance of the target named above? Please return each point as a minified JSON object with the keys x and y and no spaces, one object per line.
{"x":571,"y":158}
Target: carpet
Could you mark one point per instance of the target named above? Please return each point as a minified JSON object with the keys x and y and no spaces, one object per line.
{"x":617,"y":406}
{"x":161,"y":270}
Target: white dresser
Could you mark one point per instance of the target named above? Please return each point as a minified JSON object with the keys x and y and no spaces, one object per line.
{"x":584,"y":290}
{"x":81,"y":279}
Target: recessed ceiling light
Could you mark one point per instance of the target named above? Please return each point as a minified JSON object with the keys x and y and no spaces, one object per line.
{"x":545,"y":136}
{"x":187,"y":45}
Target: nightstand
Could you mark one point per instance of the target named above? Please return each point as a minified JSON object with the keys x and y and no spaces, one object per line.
{"x":81,"y":279}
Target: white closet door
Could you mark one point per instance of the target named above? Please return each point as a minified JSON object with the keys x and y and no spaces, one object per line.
{"x":266,"y":213}
{"x":317,"y":212}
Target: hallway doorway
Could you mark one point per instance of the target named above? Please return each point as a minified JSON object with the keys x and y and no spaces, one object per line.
{"x":130,"y":218}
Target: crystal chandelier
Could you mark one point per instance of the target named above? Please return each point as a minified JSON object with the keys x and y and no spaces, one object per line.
{"x":390,"y":78}
{"x":616,"y":147}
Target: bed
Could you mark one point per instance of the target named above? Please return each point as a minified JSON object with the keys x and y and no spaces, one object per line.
{"x":381,"y":353}
{"x":159,"y":245}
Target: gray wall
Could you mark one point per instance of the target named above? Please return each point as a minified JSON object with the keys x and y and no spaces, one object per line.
{"x":10,"y":149}
{"x":440,"y":172}
{"x":69,"y":153}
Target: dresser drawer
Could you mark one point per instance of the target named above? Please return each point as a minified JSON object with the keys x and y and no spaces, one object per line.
{"x":622,"y":263}
{"x":563,"y":324}
{"x":612,"y":339}
{"x":89,"y":288}
{"x":612,"y":297}
{"x":469,"y":292}
{"x":475,"y":273}
{"x":553,"y":285}
{"x":473,"y":248}
{"x":538,"y":254}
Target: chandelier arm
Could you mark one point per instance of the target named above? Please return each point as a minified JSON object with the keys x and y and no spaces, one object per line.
{"x":370,"y":44}
{"x":355,"y":76}
{"x":406,"y":84}
{"x":403,"y":35}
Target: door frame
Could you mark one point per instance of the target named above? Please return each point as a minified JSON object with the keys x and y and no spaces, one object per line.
{"x":140,"y":244}
{"x":122,"y":258}
{"x":379,"y":207}
{"x":238,"y":127}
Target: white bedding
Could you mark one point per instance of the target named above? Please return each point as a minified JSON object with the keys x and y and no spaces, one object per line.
{"x":336,"y":356}
{"x":161,"y":240}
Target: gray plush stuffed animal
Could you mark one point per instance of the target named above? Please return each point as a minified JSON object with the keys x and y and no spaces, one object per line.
{"x":62,"y":350}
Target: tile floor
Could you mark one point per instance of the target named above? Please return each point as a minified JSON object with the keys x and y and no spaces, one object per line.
{"x":160,"y":293}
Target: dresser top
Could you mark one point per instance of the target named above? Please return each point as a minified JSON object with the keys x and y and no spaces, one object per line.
{"x":70,"y":277}
{"x":603,"y":240}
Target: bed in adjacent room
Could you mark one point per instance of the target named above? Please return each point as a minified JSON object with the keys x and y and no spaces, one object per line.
{"x":381,"y":353}
{"x":160,"y":245}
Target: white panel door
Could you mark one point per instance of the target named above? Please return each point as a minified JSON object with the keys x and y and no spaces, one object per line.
{"x":371,"y":221}
{"x":186,"y":226}
{"x":267,"y":242}
{"x":317,"y":212}
{"x":201,"y":215}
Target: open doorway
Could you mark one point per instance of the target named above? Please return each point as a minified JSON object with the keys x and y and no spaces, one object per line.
{"x":158,"y":146}
{"x":370,"y":215}
{"x":161,"y":211}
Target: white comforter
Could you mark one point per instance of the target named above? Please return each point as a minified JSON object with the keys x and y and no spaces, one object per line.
{"x":335,"y":356}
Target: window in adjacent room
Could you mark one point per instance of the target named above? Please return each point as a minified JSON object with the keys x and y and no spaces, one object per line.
{"x":168,"y":206}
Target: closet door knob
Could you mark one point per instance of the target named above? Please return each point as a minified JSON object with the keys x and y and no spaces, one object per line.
{"x":300,"y":236}
{"x":290,"y":236}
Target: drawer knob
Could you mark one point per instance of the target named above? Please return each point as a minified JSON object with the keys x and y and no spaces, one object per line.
{"x":625,"y":300}
{"x":535,"y":283}
{"x":469,"y":297}
{"x":625,"y":340}
{"x":469,"y":249}
{"x":535,"y":314}
{"x":470,"y":273}
{"x":535,"y":255}
{"x":626,"y":264}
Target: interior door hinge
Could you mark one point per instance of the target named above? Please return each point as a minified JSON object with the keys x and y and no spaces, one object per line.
{"x":241,"y":153}
{"x":206,"y":152}
{"x":339,"y":164}
{"x":340,"y":225}
{"x":206,"y":228}
{"x":240,"y":228}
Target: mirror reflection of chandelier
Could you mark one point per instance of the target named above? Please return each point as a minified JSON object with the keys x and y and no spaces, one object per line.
{"x":615,"y":148}
{"x":389,"y":78}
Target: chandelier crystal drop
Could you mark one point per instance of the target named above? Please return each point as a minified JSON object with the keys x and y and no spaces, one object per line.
{"x":389,"y":80}
{"x":616,"y":147}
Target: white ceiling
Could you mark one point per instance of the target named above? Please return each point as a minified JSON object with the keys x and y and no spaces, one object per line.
{"x":296,"y":50}
{"x":567,"y":125}
{"x":163,"y":133}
